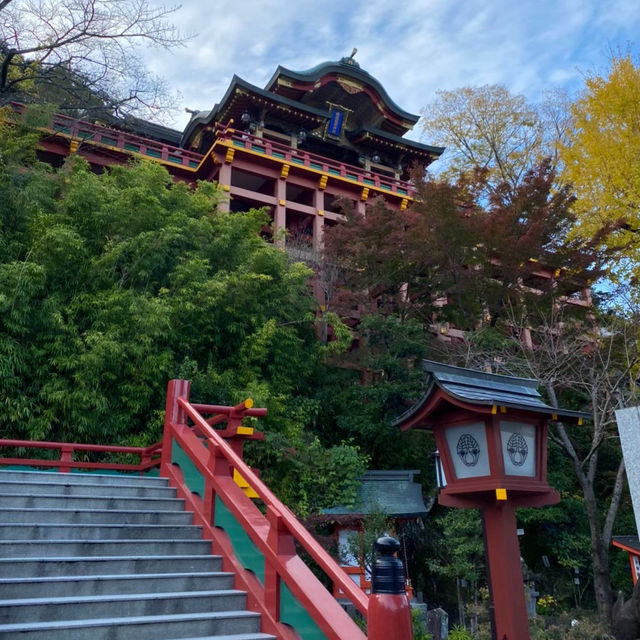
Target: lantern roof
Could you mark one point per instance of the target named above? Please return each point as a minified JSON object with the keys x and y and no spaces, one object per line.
{"x":477,"y":388}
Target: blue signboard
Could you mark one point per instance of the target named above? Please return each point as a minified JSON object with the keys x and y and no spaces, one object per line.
{"x":335,"y":124}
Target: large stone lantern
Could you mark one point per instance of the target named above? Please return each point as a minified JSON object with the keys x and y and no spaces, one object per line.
{"x":491,"y":433}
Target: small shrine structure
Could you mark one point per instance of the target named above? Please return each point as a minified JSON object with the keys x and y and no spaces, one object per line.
{"x":394,"y":494}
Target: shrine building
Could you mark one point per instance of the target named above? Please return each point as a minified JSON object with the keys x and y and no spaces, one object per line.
{"x":297,"y":146}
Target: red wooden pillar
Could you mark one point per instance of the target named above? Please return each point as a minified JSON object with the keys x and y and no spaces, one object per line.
{"x":280,"y":210}
{"x":281,"y":541}
{"x":66,"y":456}
{"x":174,"y":414}
{"x":505,"y":570}
{"x":224,"y":181}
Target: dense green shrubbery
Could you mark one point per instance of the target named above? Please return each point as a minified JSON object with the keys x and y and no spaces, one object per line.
{"x":112,"y":284}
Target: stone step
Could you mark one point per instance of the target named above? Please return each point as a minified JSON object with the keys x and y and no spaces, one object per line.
{"x":90,"y":502}
{"x":44,"y":532}
{"x":86,"y":548}
{"x":113,"y":565}
{"x":21,"y":488}
{"x":110,"y":557}
{"x":126,"y":605}
{"x":57,"y":587}
{"x":94,"y":516}
{"x":240,"y":624}
{"x":119,"y":479}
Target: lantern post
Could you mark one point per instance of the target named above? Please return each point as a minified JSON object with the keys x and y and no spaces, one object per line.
{"x":491,"y":435}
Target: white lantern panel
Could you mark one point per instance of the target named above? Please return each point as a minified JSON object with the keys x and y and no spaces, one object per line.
{"x":518,"y":448}
{"x":468,"y":450}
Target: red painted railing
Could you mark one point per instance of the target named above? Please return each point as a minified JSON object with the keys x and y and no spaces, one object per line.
{"x":205,"y":466}
{"x":275,"y":533}
{"x":300,"y":157}
{"x":126,"y":142}
{"x":97,"y":134}
{"x":149,"y":456}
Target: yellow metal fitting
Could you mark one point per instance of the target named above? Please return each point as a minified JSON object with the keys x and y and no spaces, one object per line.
{"x":494,"y":410}
{"x":73,"y":146}
{"x":229,"y":157}
{"x":282,"y":203}
{"x":244,"y":431}
{"x":365,"y":193}
{"x":320,"y":212}
{"x":244,"y":485}
{"x":503,"y":409}
{"x":404,"y":204}
{"x":323,"y":182}
{"x":248,"y":403}
{"x":284,"y":173}
{"x":501,"y":494}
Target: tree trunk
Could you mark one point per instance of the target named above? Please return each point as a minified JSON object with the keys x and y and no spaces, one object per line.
{"x":600,"y":559}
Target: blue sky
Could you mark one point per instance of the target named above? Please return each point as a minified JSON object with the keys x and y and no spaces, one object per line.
{"x":414,"y":47}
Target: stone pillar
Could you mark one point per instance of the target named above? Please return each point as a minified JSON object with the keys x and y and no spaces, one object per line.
{"x":629,"y":428}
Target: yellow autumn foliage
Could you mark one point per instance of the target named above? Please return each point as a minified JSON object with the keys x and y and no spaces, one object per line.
{"x":602,"y":158}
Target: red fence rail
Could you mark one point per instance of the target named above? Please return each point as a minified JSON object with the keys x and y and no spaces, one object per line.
{"x":203,"y":464}
{"x":149,"y":456}
{"x":303,"y":158}
{"x":274,"y":533}
{"x":92,"y":133}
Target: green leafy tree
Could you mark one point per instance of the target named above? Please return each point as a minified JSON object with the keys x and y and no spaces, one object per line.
{"x":480,"y":255}
{"x":491,"y":129}
{"x":459,"y":554}
{"x":112,"y":284}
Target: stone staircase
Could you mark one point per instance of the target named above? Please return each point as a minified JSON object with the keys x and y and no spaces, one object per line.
{"x":106,"y":557}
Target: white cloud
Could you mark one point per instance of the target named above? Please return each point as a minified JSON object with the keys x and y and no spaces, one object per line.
{"x":414,"y":48}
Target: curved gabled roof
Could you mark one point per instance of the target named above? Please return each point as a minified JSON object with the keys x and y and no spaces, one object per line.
{"x":341,"y":68}
{"x":486,"y":390}
{"x":409,"y":145}
{"x":237,"y":83}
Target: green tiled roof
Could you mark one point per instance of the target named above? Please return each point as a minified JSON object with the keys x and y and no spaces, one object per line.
{"x":393,"y":492}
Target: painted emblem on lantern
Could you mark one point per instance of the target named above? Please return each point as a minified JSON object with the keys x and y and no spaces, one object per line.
{"x":517,"y":449}
{"x":468,"y":449}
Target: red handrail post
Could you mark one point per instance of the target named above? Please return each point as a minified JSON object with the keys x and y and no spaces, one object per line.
{"x":66,"y":455}
{"x":389,"y":613}
{"x":281,"y":541}
{"x":174,"y":414}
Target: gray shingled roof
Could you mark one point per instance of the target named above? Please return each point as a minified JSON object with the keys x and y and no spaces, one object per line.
{"x":393,"y":492}
{"x":397,"y":139}
{"x":485,"y":389}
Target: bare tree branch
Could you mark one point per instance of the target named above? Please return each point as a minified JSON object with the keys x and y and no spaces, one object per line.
{"x":92,"y":39}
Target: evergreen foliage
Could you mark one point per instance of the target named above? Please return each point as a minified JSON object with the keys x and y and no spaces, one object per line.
{"x":112,"y":284}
